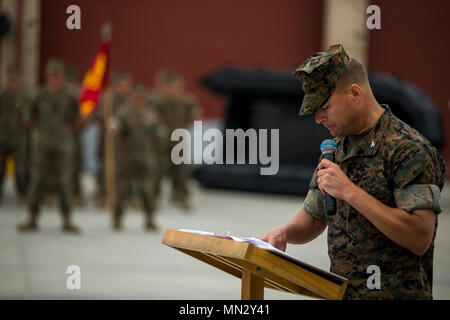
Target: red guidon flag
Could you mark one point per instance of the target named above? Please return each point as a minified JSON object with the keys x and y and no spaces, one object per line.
{"x":94,"y":81}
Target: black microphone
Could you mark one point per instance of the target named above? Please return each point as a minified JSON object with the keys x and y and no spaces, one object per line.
{"x":328,"y":148}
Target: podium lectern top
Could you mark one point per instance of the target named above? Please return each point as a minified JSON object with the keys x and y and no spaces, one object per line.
{"x":257,"y":267}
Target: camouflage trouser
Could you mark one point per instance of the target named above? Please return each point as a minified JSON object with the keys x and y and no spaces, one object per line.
{"x":142,"y":179}
{"x":179,"y":176}
{"x":160,"y":171}
{"x":51,"y":171}
{"x":101,"y":184}
{"x":77,"y":165}
{"x":20,"y":157}
{"x":101,"y":170}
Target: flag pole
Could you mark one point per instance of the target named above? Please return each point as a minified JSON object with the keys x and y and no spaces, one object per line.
{"x":110,"y":163}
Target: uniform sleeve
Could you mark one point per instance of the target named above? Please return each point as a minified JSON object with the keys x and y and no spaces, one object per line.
{"x":34,"y":108}
{"x":26,"y":108}
{"x":161,"y":131}
{"x":101,"y":102}
{"x":1,"y":104}
{"x":314,"y":201}
{"x":155,"y":126}
{"x":122,"y":124}
{"x":313,"y":204}
{"x":74,"y":112}
{"x":418,"y":177}
{"x":194,"y":111}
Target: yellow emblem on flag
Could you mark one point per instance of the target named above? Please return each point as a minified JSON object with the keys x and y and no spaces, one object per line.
{"x":86,"y":107}
{"x":94,"y":78}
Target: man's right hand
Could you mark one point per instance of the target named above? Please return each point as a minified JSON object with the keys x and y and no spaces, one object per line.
{"x":300,"y":229}
{"x":276,"y":237}
{"x":112,"y":126}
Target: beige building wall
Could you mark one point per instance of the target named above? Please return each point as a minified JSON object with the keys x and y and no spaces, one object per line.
{"x":345,"y":23}
{"x":8,"y":43}
{"x":30,"y":42}
{"x":28,"y":35}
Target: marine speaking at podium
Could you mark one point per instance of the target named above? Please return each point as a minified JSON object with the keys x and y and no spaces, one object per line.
{"x":385,"y":182}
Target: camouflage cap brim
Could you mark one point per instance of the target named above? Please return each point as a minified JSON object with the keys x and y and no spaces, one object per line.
{"x":313,"y":101}
{"x":54,"y":66}
{"x":317,"y":91}
{"x":139,"y":89}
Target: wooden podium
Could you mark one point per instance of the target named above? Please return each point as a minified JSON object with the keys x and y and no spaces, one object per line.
{"x":257,"y":267}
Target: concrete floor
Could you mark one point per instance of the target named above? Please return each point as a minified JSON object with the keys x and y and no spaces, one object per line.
{"x":133,"y":264}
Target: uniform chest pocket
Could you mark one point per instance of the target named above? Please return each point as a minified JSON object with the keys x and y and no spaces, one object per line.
{"x":377,"y":185}
{"x":368,"y":173}
{"x":373,"y":181}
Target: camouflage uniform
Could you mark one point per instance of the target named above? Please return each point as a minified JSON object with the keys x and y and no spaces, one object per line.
{"x":119,"y":101}
{"x":75,"y":90}
{"x":175,"y":112}
{"x":52,"y":147}
{"x":137,"y":162}
{"x":399,"y":167}
{"x":14,"y":136}
{"x":161,"y":153}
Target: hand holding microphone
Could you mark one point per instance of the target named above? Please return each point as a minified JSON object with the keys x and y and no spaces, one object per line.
{"x":328,"y":148}
{"x":332,"y":180}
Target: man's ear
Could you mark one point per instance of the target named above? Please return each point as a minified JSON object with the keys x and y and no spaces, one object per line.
{"x":355,"y":92}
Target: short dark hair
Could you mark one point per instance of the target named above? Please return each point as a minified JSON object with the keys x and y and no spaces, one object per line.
{"x":121,"y":76}
{"x":356,"y":74}
{"x":168,"y":76}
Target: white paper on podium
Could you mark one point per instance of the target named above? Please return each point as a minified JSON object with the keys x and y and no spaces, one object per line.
{"x":205,"y":233}
{"x":267,"y":246}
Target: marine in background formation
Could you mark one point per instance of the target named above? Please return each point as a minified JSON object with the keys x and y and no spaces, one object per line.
{"x":138,"y":134}
{"x":74,"y":87}
{"x":54,"y":117}
{"x":122,"y":85}
{"x":177,"y":109}
{"x":14,"y":134}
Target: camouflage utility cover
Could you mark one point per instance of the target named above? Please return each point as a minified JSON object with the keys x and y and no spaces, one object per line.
{"x":175,"y":112}
{"x":319,"y":75}
{"x":399,"y":167}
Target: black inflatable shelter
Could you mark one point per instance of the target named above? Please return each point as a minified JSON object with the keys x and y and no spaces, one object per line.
{"x":265,"y":99}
